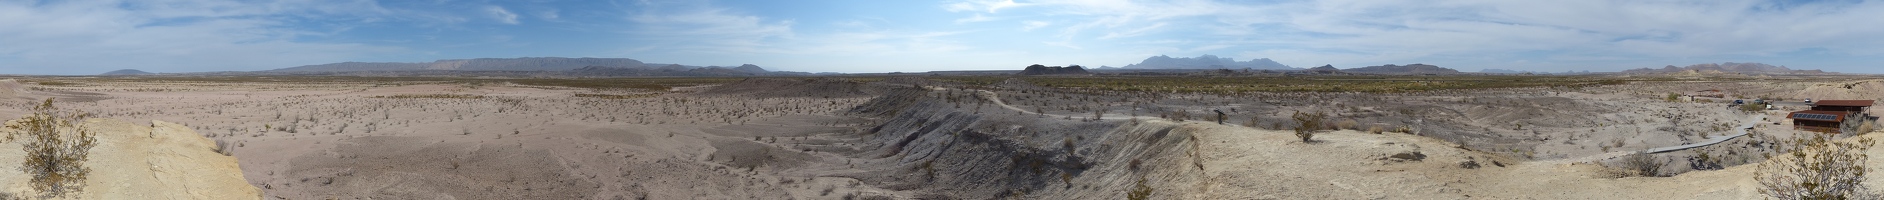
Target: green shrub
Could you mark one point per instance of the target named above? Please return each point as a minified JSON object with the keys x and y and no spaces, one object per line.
{"x":1752,"y":107}
{"x":56,"y":149}
{"x":1309,"y":124}
{"x":1139,"y":192}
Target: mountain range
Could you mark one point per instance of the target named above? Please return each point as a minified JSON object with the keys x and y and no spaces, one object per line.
{"x":1728,"y":67}
{"x":530,"y":66}
{"x":670,"y":70}
{"x":1503,"y":71}
{"x":1038,"y":69}
{"x":1206,"y":62}
{"x":1407,"y":69}
{"x":478,"y":64}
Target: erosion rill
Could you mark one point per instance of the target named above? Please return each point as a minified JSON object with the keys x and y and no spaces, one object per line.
{"x":925,"y":144}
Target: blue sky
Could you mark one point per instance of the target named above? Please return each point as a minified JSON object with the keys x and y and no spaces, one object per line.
{"x":89,"y":37}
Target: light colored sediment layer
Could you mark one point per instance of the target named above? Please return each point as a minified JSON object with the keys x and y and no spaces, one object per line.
{"x":162,"y":160}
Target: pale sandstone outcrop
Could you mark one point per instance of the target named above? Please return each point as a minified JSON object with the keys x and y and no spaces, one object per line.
{"x":161,"y":161}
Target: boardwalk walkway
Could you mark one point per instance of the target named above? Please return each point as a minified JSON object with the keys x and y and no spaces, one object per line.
{"x":1738,"y":132}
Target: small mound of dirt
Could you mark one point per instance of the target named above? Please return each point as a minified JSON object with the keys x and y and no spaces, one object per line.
{"x":792,"y":87}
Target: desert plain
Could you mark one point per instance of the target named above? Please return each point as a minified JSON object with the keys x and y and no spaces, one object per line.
{"x":972,"y":137}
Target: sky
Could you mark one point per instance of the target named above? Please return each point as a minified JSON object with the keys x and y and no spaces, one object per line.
{"x":80,"y":37}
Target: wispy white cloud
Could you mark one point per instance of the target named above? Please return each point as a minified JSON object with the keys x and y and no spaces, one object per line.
{"x":716,"y":30}
{"x":1133,"y":32}
{"x":84,"y":37}
{"x":1030,"y":25}
{"x":548,"y":14}
{"x":501,"y":15}
{"x":989,"y":6}
{"x":978,"y":17}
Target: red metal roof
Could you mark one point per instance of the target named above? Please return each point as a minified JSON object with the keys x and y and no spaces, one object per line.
{"x":1836,"y":116}
{"x":1857,"y":103}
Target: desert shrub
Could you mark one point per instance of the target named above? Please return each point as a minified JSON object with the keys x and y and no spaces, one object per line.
{"x":1751,"y":107}
{"x":1818,"y":169}
{"x":1140,"y":191}
{"x":1643,"y":164}
{"x":1375,"y":129}
{"x":1309,"y":124}
{"x":225,"y":147}
{"x":1672,"y":97}
{"x":56,"y":149}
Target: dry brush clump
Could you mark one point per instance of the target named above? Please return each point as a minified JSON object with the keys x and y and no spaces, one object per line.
{"x":1308,"y":124}
{"x":1818,"y":169}
{"x":225,"y":147}
{"x":1139,"y":191}
{"x":1642,"y":164}
{"x":56,"y":149}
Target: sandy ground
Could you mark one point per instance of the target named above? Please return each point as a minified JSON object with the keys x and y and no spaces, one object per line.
{"x":340,"y":141}
{"x":424,"y":140}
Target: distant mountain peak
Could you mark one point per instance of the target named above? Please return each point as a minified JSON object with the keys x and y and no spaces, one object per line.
{"x":1205,"y":61}
{"x":1038,"y":69}
{"x":1726,"y":67}
{"x":749,"y":68}
{"x":1415,"y":68}
{"x":126,"y":72}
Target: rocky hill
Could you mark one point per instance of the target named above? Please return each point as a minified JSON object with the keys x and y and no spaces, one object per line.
{"x":1038,"y":69}
{"x":1324,"y":69}
{"x":749,"y":68}
{"x":479,"y":64}
{"x":669,"y":70}
{"x":1727,"y":67}
{"x":538,"y":66}
{"x":162,"y":160}
{"x":1206,"y":62}
{"x":126,"y":72}
{"x":1407,"y":69}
